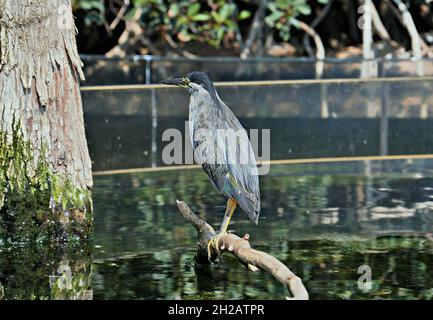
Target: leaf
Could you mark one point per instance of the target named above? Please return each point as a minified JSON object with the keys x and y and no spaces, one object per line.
{"x":304,"y":9}
{"x":217,"y":17}
{"x":174,"y":9}
{"x":193,"y":9}
{"x":269,"y":21}
{"x":285,"y":35}
{"x":273,"y":17}
{"x":220,"y":33}
{"x":201,"y":17}
{"x":225,"y":11}
{"x":182,"y":21}
{"x":283,"y":5}
{"x":244,"y":14}
{"x":295,"y":22}
{"x":184,"y":36}
{"x":323,"y":1}
{"x":230,"y":24}
{"x":89,"y":5}
{"x":86,"y":5}
{"x":131,"y":14}
{"x":272,"y":7}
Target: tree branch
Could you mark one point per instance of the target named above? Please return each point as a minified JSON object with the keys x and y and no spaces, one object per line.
{"x":256,"y":25}
{"x":119,"y":15}
{"x":380,"y":28}
{"x":314,"y":24}
{"x":131,"y":38}
{"x":416,"y":40}
{"x":240,"y":248}
{"x":320,"y":49}
{"x":237,"y":29}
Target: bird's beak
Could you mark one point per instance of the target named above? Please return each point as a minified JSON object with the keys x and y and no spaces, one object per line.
{"x":181,"y":82}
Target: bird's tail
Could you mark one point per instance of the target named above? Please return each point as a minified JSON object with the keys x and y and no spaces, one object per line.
{"x":251,"y":206}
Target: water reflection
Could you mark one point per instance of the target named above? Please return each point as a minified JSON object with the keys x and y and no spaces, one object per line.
{"x":45,"y":270}
{"x":323,"y":220}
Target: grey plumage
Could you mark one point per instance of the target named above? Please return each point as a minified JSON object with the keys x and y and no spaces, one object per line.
{"x":221,"y":145}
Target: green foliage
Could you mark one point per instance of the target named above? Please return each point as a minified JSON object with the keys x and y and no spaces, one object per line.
{"x":208,"y":22}
{"x":191,"y":21}
{"x":282,"y":13}
{"x":95,"y":11}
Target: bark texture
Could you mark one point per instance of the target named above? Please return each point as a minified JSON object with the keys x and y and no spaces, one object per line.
{"x":39,"y":87}
{"x":240,"y":248}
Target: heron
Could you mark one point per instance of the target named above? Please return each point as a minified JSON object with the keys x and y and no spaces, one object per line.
{"x":222,"y":147}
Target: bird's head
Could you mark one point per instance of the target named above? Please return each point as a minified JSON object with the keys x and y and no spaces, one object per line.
{"x":193,"y":81}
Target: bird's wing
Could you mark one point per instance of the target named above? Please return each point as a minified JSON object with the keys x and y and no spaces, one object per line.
{"x":242,"y":176}
{"x":222,"y":147}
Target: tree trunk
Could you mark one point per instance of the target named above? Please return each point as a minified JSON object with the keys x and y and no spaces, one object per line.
{"x":44,"y":160}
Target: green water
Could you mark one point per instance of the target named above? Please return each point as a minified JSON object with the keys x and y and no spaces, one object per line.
{"x":321,"y":220}
{"x":324,"y":221}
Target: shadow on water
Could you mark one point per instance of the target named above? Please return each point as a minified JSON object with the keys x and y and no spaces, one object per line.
{"x":322,"y":220}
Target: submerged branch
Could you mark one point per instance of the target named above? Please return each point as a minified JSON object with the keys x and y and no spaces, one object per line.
{"x":240,"y":248}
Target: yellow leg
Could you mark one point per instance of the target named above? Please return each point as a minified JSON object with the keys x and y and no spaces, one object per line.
{"x":231,"y":206}
{"x":230,"y":209}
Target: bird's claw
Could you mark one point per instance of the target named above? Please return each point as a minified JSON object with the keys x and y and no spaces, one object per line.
{"x":214,"y":243}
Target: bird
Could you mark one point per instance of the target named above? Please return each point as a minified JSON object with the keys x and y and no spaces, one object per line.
{"x":222,"y":147}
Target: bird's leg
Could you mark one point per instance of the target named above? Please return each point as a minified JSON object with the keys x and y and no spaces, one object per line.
{"x":213,"y":242}
{"x":231,"y":206}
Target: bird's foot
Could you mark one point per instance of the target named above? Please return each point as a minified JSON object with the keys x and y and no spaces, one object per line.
{"x":214,"y":243}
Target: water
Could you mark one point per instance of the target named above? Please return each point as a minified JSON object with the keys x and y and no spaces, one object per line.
{"x":321,"y":220}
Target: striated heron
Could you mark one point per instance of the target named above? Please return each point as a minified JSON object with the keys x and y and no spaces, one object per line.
{"x":222,"y":147}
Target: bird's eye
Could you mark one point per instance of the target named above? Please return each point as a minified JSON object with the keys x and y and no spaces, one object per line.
{"x":185,"y":82}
